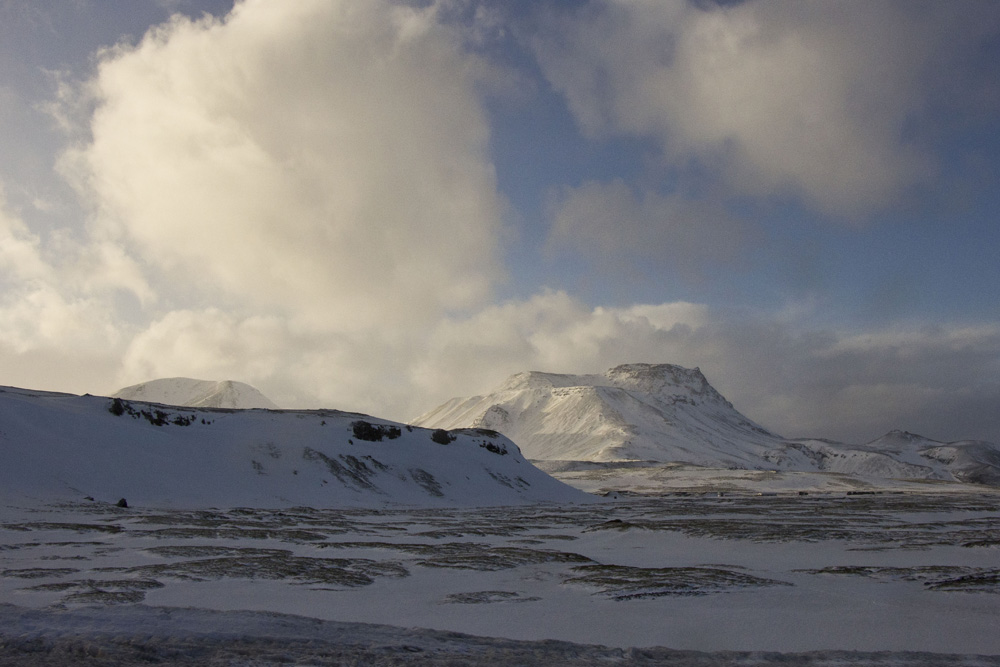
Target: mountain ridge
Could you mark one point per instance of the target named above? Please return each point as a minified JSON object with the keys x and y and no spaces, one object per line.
{"x":66,"y":447}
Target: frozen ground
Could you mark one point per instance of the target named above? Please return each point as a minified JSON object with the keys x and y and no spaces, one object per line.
{"x":900,"y":579}
{"x":654,"y":478}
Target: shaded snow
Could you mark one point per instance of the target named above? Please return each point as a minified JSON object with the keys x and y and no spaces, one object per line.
{"x":63,"y":446}
{"x":836,"y":576}
{"x":176,"y":636}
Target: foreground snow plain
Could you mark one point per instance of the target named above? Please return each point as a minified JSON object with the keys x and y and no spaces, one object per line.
{"x":366,"y":550}
{"x":808,"y":576}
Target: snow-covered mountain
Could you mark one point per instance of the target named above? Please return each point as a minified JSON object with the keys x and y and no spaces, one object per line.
{"x":197,"y":394}
{"x":632,"y":412}
{"x":60,"y":446}
{"x":669,"y":414}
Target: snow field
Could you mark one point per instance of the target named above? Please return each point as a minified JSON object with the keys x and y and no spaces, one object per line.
{"x":900,"y":573}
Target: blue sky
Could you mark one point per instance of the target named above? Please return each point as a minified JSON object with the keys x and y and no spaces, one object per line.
{"x":377,"y":206}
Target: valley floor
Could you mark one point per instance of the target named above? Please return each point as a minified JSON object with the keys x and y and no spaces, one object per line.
{"x":657,"y":478}
{"x":823,"y":579}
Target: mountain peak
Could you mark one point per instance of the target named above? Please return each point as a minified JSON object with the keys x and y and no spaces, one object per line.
{"x":663,"y":379}
{"x":897,"y":436}
{"x":188,"y":392}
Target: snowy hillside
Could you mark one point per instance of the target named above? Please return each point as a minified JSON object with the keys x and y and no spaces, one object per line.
{"x":64,"y":446}
{"x":669,"y":414}
{"x":197,"y":394}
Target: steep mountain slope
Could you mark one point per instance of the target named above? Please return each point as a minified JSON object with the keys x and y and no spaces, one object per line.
{"x":58,"y":446}
{"x":633,"y":412}
{"x":669,"y":414}
{"x":197,"y":394}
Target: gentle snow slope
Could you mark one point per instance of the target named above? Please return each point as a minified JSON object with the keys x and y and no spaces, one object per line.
{"x":63,"y":446}
{"x":197,"y":394}
{"x":665,"y":413}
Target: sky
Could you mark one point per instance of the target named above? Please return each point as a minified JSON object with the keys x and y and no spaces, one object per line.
{"x":379,"y":205}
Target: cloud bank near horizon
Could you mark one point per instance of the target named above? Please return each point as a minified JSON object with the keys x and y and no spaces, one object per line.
{"x":301,"y":196}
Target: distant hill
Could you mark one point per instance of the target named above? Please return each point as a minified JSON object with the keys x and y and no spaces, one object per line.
{"x":59,"y":446}
{"x":187,"y":392}
{"x":669,"y":414}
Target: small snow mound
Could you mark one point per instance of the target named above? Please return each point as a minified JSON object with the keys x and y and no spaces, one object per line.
{"x":187,"y":392}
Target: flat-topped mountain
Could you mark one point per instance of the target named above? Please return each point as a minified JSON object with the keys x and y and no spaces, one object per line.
{"x":649,"y":412}
{"x":664,"y":413}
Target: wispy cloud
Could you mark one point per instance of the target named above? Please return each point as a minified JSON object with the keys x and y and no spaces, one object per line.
{"x":813,"y":99}
{"x":612,"y":225}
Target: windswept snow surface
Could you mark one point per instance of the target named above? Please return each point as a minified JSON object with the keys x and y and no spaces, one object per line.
{"x":63,"y":446}
{"x":187,"y":392}
{"x":890,"y":579}
{"x":660,"y":413}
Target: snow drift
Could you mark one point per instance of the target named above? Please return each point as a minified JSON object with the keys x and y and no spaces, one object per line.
{"x":64,"y":446}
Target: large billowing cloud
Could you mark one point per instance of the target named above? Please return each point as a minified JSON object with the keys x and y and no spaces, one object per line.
{"x":809,"y":98}
{"x":323,"y":159}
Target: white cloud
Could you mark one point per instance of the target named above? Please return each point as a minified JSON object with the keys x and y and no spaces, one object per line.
{"x":20,"y":252}
{"x":207,"y":344}
{"x":809,"y":98}
{"x":54,"y":298}
{"x":53,"y":328}
{"x":327,"y":160}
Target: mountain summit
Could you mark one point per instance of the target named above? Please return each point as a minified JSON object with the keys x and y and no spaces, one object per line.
{"x":649,"y":412}
{"x":186,"y":392}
